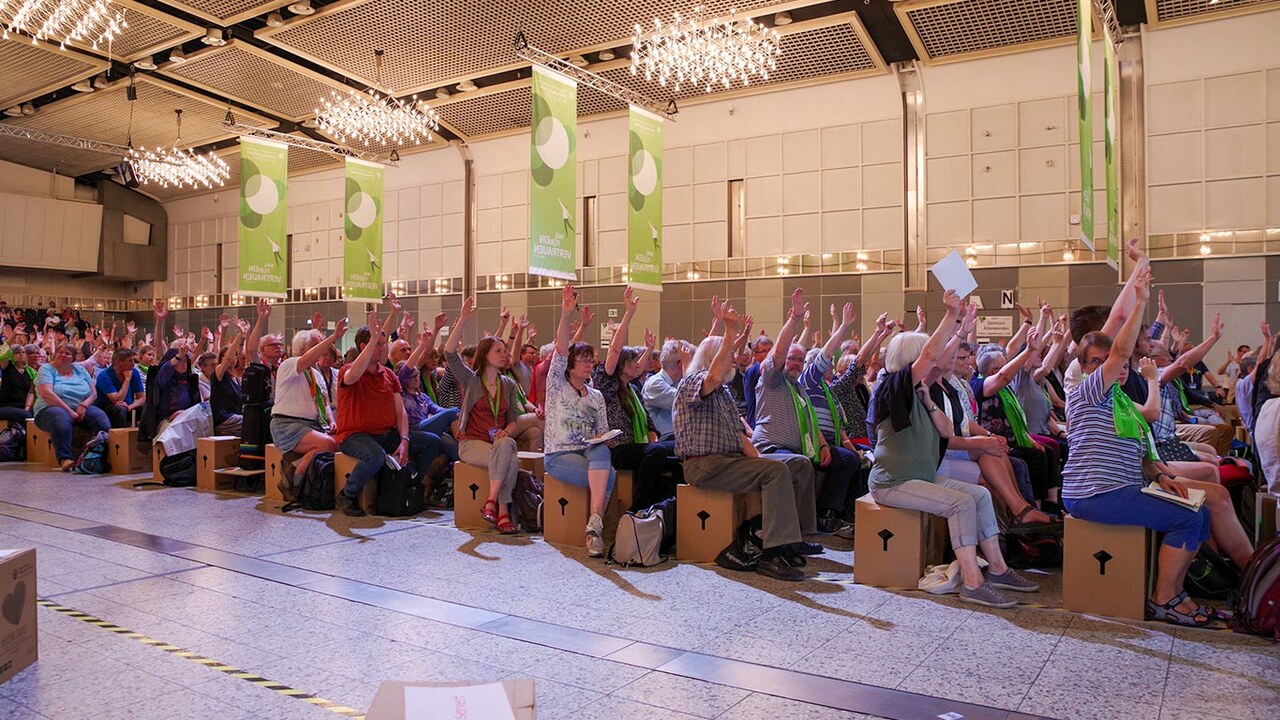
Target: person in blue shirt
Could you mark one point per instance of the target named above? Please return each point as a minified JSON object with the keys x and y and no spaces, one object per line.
{"x":65,"y":397}
{"x":120,"y":390}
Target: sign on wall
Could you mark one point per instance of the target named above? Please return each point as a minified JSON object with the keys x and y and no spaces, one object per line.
{"x":362,"y":231}
{"x":644,"y":201}
{"x":264,"y":244}
{"x":553,"y":182}
{"x":995,"y":326}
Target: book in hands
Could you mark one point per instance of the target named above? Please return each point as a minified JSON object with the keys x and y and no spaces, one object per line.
{"x":603,"y":438}
{"x":1193,"y":501}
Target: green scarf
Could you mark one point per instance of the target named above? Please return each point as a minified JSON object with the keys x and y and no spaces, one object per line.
{"x":1016,"y":417}
{"x":429,"y":384}
{"x":834,"y":409}
{"x":808,"y":421}
{"x":639,"y":421}
{"x":1129,"y":422}
{"x":519,"y":390}
{"x":31,"y":372}
{"x":1182,"y":393}
{"x":322,"y":407}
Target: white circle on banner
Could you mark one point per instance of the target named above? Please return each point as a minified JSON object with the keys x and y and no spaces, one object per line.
{"x":365,"y":213}
{"x":552,"y":143}
{"x":260,"y":194}
{"x":644,"y":173}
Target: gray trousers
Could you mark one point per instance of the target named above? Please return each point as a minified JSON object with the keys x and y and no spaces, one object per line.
{"x":970,"y":515}
{"x":772,"y":478}
{"x":502,"y":460}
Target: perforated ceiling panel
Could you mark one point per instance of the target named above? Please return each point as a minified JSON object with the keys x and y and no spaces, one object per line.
{"x":29,"y":70}
{"x":104,"y":115}
{"x":301,"y":162}
{"x":950,"y":30}
{"x":149,"y":31}
{"x":428,"y":43}
{"x":254,"y":77}
{"x":67,"y":161}
{"x":1170,"y":12}
{"x":489,"y":114}
{"x":227,"y":12}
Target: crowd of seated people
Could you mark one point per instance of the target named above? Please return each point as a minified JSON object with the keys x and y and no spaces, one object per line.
{"x":1069,"y":415}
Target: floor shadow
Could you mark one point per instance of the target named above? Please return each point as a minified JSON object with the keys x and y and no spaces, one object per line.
{"x":481,"y":537}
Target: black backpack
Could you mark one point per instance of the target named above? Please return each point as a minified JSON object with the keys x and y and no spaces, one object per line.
{"x":316,"y":490}
{"x":528,"y":501}
{"x":13,"y":443}
{"x":400,"y":492}
{"x":255,"y":433}
{"x":255,"y":386}
{"x":1211,"y":576}
{"x":179,"y":470}
{"x":744,"y":551}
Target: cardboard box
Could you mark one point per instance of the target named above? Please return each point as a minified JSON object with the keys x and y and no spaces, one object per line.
{"x":274,"y":461}
{"x":705,"y":522}
{"x":37,"y":443}
{"x":470,"y":491}
{"x":889,"y":545}
{"x":342,"y":467}
{"x":1266,"y":517}
{"x":532,"y":461}
{"x":123,"y":452}
{"x":18,"y":645}
{"x":565,"y":509}
{"x":474,"y":701}
{"x":213,"y":453}
{"x":1105,"y":568}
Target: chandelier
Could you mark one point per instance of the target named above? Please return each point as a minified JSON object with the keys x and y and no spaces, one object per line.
{"x":374,"y":118}
{"x":705,"y":53}
{"x":91,"y":21}
{"x":178,"y":167}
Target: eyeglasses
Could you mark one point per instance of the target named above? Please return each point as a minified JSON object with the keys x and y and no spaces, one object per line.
{"x":1093,"y":362}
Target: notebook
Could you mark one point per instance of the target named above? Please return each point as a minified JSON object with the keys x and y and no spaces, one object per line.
{"x":1193,"y":502}
{"x":603,"y":438}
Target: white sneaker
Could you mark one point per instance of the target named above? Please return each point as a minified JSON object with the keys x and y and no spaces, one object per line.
{"x":595,"y":533}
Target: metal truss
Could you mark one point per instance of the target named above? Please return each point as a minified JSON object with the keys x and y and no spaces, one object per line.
{"x":585,"y":77}
{"x":302,"y":141}
{"x":53,"y":138}
{"x":1105,"y":13}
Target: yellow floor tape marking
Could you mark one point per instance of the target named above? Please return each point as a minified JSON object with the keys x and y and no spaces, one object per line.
{"x":278,"y":688}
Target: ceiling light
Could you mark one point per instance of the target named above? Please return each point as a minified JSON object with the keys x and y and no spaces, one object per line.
{"x":274,"y":20}
{"x":606,"y":55}
{"x":214,"y":37}
{"x":179,"y":167}
{"x":705,"y":52}
{"x":14,"y":111}
{"x":82,"y":87}
{"x":577,"y":61}
{"x":301,"y":7}
{"x":442,"y":93}
{"x":89,"y":21}
{"x":310,"y":123}
{"x":146,"y":63}
{"x":466,"y":86}
{"x":1205,"y":249}
{"x":28,"y":109}
{"x":782,"y":18}
{"x":177,"y":56}
{"x":1068,"y":253}
{"x":100,"y":82}
{"x":372,"y":117}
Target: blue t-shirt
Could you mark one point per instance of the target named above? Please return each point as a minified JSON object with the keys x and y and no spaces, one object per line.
{"x":107,"y":382}
{"x":73,"y":390}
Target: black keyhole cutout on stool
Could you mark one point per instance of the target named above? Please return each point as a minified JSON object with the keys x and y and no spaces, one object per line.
{"x":474,"y":488}
{"x":1103,"y":557}
{"x":885,"y":535}
{"x":563,"y":503}
{"x":703,"y":515}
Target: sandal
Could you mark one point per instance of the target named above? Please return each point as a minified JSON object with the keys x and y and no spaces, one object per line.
{"x":490,"y":512}
{"x":504,"y":525}
{"x":1020,"y":525}
{"x":1170,"y":613}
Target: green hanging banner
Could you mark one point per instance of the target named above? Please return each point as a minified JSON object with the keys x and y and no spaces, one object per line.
{"x":644,"y":201}
{"x":264,"y":240}
{"x":1111,"y":115}
{"x":1084,"y":103}
{"x":553,"y":181}
{"x":362,"y":231}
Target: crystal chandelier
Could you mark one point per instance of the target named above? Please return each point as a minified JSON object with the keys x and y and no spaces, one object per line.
{"x":91,"y":21}
{"x":374,"y":118}
{"x":178,"y":167}
{"x":705,"y":53}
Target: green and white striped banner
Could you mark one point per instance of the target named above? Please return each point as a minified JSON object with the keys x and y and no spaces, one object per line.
{"x":362,"y":231}
{"x":1111,"y":113}
{"x":553,"y":179}
{"x":1084,"y":104}
{"x":264,"y":240}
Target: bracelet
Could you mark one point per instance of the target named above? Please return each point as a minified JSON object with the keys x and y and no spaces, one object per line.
{"x":1026,"y":322}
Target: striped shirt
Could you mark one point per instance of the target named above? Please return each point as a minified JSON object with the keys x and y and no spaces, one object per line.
{"x":1099,"y":461}
{"x":776,"y":420}
{"x":813,"y":381}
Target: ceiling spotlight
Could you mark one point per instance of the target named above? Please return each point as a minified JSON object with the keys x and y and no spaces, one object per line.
{"x":301,"y":7}
{"x":466,"y":86}
{"x":146,"y":63}
{"x":177,"y":56}
{"x":274,"y":20}
{"x":214,"y":37}
{"x":782,"y":18}
{"x":82,"y":87}
{"x":14,"y":111}
{"x":606,"y":55}
{"x":442,"y":93}
{"x":578,"y":61}
{"x":28,"y":109}
{"x":100,"y":82}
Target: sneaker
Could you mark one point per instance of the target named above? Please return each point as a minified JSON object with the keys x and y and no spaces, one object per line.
{"x":778,"y":568}
{"x":987,"y":595}
{"x":828,"y":524}
{"x":595,"y":531}
{"x":1011,"y":580}
{"x":845,"y":533}
{"x":349,"y":506}
{"x":807,"y":548}
{"x":793,"y":558}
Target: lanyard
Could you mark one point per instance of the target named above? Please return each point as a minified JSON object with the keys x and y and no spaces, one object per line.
{"x":808,"y":422}
{"x":322,"y":408}
{"x":495,"y":400}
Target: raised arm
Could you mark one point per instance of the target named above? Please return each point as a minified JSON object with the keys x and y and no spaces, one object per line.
{"x":993,"y":384}
{"x":256,"y":333}
{"x":390,"y":322}
{"x":503,"y":318}
{"x":629,"y":302}
{"x":1122,"y":345}
{"x":847,"y":317}
{"x":1054,"y":356}
{"x":1151,"y":408}
{"x":419,"y":355}
{"x":312,"y":356}
{"x":932,"y":351}
{"x":722,"y":363}
{"x":568,"y":305}
{"x":464,"y":317}
{"x":1019,"y":338}
{"x":581,"y":329}
{"x":160,"y":310}
{"x":231,"y":357}
{"x":1188,"y":360}
{"x":884,"y":327}
{"x":1126,"y":301}
{"x":782,"y":343}
{"x":649,"y":340}
{"x":365,"y":358}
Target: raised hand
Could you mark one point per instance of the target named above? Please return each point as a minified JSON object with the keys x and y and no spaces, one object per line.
{"x":505,"y":314}
{"x":587,"y":315}
{"x":883,"y":324}
{"x":206,"y":333}
{"x":798,"y":306}
{"x":568,"y":297}
{"x":574,"y":326}
{"x":264,"y":308}
{"x":1025,"y":313}
{"x":340,"y":328}
{"x":317,"y":321}
{"x":921,"y":317}
{"x":747,"y":324}
{"x":847,"y":315}
{"x":178,"y":331}
{"x":1135,"y":254}
{"x":952,"y":301}
{"x":531,"y":332}
{"x":630,"y":299}
{"x":438,"y":322}
{"x":147,"y":339}
{"x":468,"y":310}
{"x":1217,"y":326}
{"x":1147,"y":367}
{"x":649,"y":338}
{"x":1033,"y":340}
{"x":160,"y":309}
{"x":395,"y":301}
{"x":1265,"y":327}
{"x":686,"y":355}
{"x":717,"y":308}
{"x":731,"y":319}
{"x":1164,"y":309}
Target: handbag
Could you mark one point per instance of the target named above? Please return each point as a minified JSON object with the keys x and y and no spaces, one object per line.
{"x":638,"y":540}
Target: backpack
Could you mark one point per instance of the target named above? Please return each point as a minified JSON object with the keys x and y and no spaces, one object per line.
{"x":1210,"y":576}
{"x":93,"y":459}
{"x":1257,"y":604}
{"x":179,"y":470}
{"x":13,"y":443}
{"x":528,"y":501}
{"x":638,"y":540}
{"x":744,"y":551}
{"x":1032,"y":549}
{"x":255,"y":385}
{"x":400,"y":492}
{"x":255,"y":433}
{"x":315,"y":489}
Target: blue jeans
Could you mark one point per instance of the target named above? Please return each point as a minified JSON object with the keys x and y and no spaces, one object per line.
{"x":1183,"y":528}
{"x":370,"y":452}
{"x":14,"y":414}
{"x":572,"y":466}
{"x":57,"y":422}
{"x":438,"y":426}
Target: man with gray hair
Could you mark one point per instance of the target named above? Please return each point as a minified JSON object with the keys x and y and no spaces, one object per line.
{"x":1244,"y":390}
{"x":659,"y":394}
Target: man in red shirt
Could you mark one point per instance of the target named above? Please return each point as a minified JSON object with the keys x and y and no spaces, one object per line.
{"x":372,"y":423}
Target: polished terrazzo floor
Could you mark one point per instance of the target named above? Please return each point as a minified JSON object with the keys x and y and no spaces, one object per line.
{"x":332,"y":607}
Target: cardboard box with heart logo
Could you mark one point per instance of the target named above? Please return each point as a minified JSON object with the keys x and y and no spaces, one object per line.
{"x":17,"y":611}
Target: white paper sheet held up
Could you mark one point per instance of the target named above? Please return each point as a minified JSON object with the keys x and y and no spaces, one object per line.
{"x":953,"y":274}
{"x":478,"y":702}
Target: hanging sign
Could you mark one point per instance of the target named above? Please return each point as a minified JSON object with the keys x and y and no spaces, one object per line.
{"x":1111,"y":115}
{"x":1084,"y":105}
{"x":264,"y":243}
{"x":362,"y":231}
{"x":553,"y":182}
{"x":644,"y":201}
